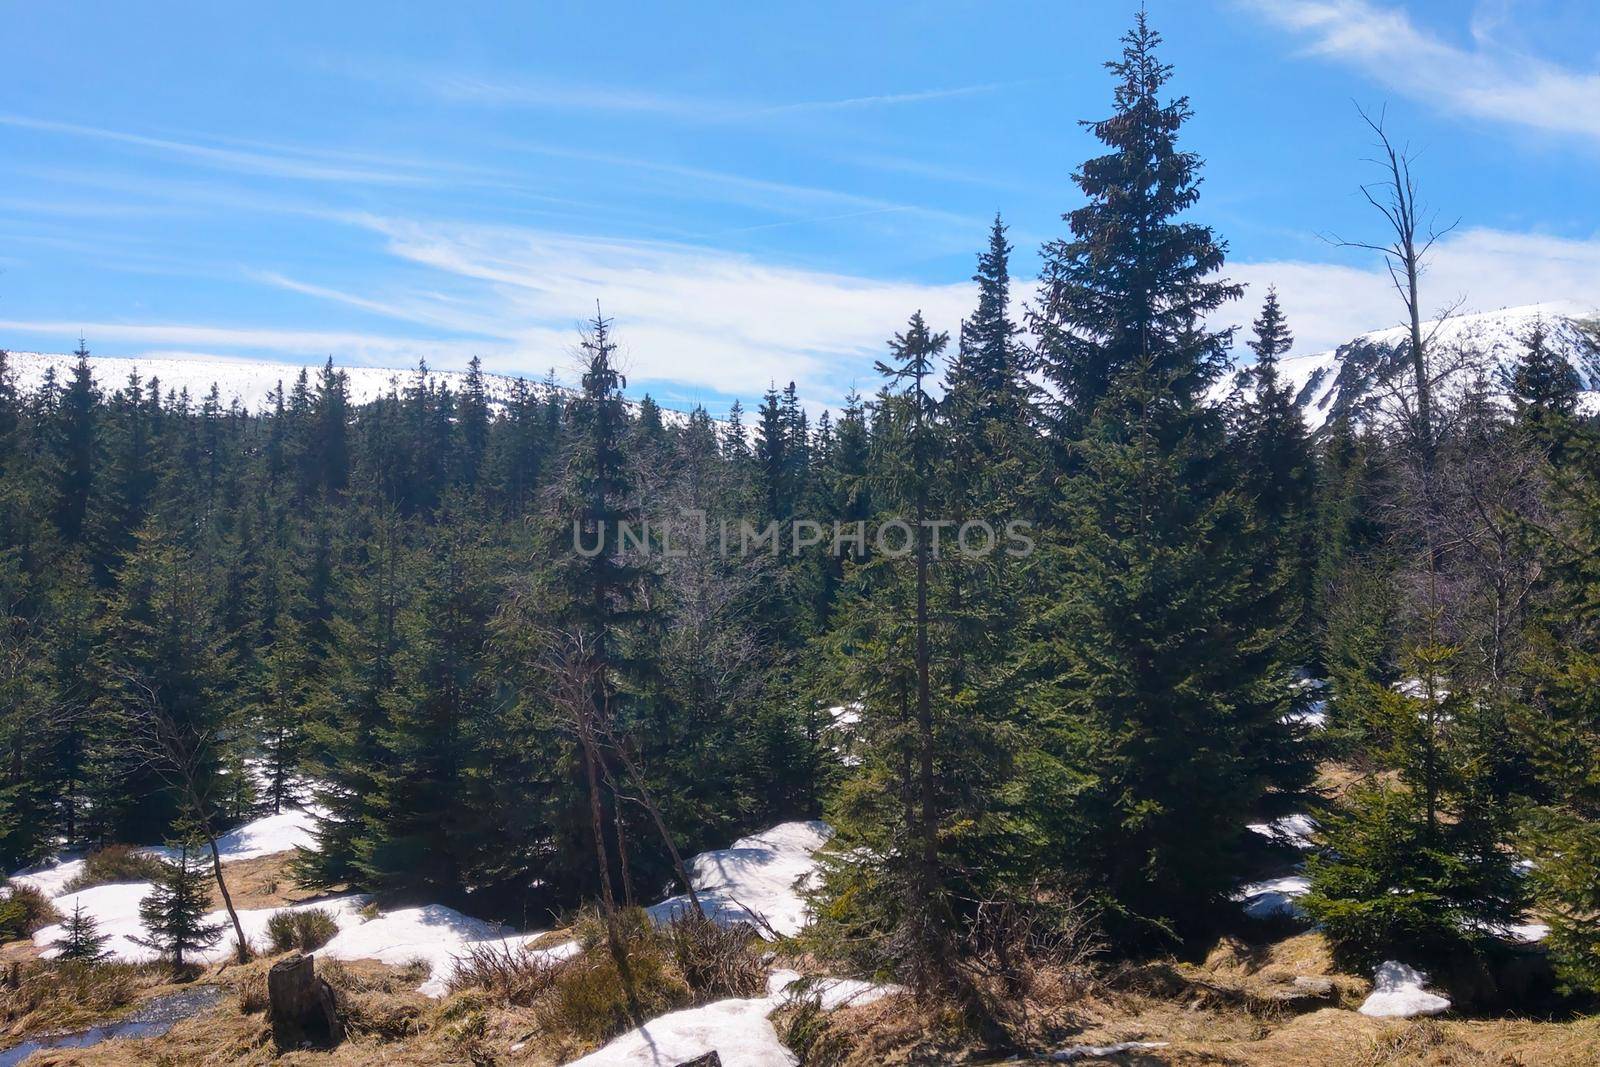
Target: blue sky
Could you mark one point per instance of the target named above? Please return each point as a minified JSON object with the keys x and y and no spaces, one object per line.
{"x":755,"y":192}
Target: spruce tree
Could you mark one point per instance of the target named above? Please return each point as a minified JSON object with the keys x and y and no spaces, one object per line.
{"x":81,"y":940}
{"x":1157,"y":654}
{"x":1561,"y":720}
{"x":419,"y":835}
{"x":174,"y":912}
{"x":1160,"y":673}
{"x":1128,"y":290}
{"x":1544,"y":389}
{"x":78,"y":444}
{"x":1279,"y":473}
{"x":348,"y":703}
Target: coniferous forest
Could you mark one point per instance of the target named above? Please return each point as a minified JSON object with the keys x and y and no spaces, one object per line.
{"x":422,"y":616}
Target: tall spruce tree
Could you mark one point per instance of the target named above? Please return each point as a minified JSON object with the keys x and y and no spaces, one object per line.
{"x":1128,"y":290}
{"x":1159,"y":673}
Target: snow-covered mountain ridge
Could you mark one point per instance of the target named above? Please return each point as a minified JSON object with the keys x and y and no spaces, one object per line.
{"x":248,"y":381}
{"x":1350,"y":375}
{"x":1353,"y":375}
{"x":251,"y":382}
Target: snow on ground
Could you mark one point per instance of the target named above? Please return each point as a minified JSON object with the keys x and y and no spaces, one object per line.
{"x":1297,"y":830}
{"x":1398,"y":993}
{"x":760,"y":874}
{"x":116,"y":911}
{"x":50,"y":878}
{"x":292,"y":828}
{"x":1274,"y":897}
{"x":1314,"y":715}
{"x":433,"y":933}
{"x":1523,"y":933}
{"x":738,"y":1030}
{"x":1315,"y":712}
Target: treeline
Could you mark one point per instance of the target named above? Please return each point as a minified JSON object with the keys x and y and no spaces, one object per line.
{"x":380,"y":608}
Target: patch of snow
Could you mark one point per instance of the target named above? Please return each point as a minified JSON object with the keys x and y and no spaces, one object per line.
{"x":1314,"y":714}
{"x":830,"y":993}
{"x":1297,"y":830}
{"x":845,"y":714}
{"x":738,"y":1029}
{"x":1095,"y":1052}
{"x":115,"y":909}
{"x":1524,"y":933}
{"x":1417,"y":689}
{"x":761,"y":874}
{"x":291,"y":828}
{"x":1398,"y":994}
{"x":1528,"y":933}
{"x":433,"y":933}
{"x":1274,"y":897}
{"x":50,"y":878}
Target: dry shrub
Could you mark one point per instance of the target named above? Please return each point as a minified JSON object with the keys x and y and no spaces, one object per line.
{"x":518,"y":976}
{"x":716,"y":961}
{"x":589,"y":1000}
{"x":1028,"y":961}
{"x":24,"y":910}
{"x":805,"y":1028}
{"x":306,"y":930}
{"x":115,"y":863}
{"x":251,"y":990}
{"x":891,"y":1030}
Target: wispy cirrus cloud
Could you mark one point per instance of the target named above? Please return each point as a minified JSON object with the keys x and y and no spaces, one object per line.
{"x":516,"y":92}
{"x":1493,"y":79}
{"x":295,"y":162}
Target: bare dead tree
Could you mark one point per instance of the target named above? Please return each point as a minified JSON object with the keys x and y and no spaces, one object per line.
{"x":1413,"y":233}
{"x":578,"y":691}
{"x":179,"y":752}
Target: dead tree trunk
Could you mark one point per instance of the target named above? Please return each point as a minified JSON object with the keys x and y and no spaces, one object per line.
{"x":301,"y":1006}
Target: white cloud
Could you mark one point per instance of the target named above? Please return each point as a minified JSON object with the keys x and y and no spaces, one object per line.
{"x":690,"y":315}
{"x":728,"y":323}
{"x":1493,"y":80}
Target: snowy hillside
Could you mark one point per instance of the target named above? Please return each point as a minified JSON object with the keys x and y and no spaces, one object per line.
{"x":245,"y":380}
{"x":248,"y":381}
{"x":1352,"y":375}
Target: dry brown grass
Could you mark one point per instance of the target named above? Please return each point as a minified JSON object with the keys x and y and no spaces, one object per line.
{"x":264,"y":882}
{"x":56,"y":997}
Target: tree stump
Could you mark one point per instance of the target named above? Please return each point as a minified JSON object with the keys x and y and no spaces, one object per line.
{"x":300,"y":1005}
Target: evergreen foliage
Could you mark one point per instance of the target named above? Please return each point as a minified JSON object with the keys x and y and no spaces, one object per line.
{"x":80,"y":940}
{"x":174,"y":913}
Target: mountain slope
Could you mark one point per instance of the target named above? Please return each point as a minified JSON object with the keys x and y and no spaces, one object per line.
{"x":1355,"y":375}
